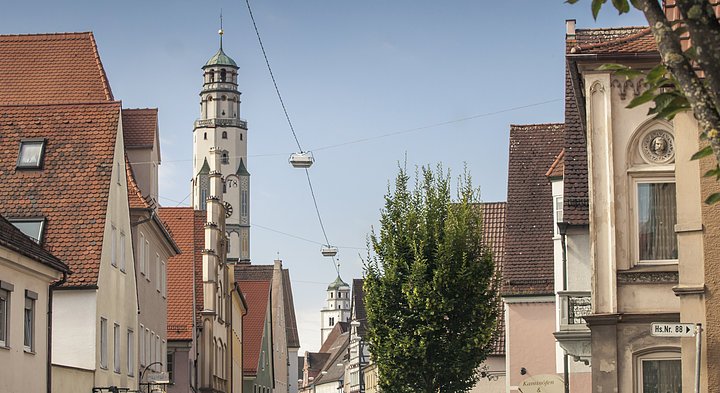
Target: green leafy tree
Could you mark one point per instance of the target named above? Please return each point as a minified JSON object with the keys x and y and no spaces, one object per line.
{"x":687,"y":79}
{"x":430,"y":288}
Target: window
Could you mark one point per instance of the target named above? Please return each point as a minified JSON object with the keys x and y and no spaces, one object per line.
{"x":331,"y":322}
{"x":146,"y":259}
{"x":31,"y":227}
{"x":205,"y":135}
{"x":142,"y":346}
{"x":244,"y":202}
{"x":141,"y":253}
{"x":656,"y":218}
{"x":212,"y":76}
{"x":225,"y":158}
{"x":5,"y":289}
{"x":122,"y":251}
{"x":31,"y":154}
{"x":130,"y":352}
{"x":163,"y":279}
{"x":557,"y":211}
{"x":29,"y":320}
{"x":157,"y":352}
{"x":151,"y":346}
{"x":148,"y":345}
{"x":103,"y":343}
{"x":163,"y":352}
{"x":158,"y":267}
{"x":113,"y":245}
{"x":116,"y":348}
{"x":224,"y":135}
{"x":170,"y":363}
{"x":241,"y":136}
{"x":331,"y":294}
{"x":223,"y":75}
{"x":659,"y":372}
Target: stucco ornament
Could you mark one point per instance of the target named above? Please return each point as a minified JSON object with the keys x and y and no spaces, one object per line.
{"x":657,"y":147}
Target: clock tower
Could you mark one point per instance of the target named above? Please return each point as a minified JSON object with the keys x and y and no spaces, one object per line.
{"x":220,"y":126}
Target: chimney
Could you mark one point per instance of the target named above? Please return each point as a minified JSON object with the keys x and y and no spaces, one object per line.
{"x":570,"y":28}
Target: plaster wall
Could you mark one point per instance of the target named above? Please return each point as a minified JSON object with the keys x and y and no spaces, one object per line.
{"x":66,"y":379}
{"x":74,"y":328}
{"x":23,"y":370}
{"x":182,"y":367}
{"x":535,"y":352}
{"x":117,"y":292}
{"x":293,"y":370}
{"x":145,"y":162}
{"x":494,"y":364}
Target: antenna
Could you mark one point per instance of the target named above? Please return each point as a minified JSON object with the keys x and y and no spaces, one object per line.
{"x":220,"y":32}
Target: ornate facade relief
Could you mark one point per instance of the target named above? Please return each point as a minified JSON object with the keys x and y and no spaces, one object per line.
{"x":634,"y":86}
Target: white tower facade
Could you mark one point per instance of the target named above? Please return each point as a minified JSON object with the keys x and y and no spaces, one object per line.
{"x":337,"y":308}
{"x":220,"y":126}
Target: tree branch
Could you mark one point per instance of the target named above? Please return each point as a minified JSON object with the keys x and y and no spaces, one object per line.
{"x":679,"y":65}
{"x":704,"y":29}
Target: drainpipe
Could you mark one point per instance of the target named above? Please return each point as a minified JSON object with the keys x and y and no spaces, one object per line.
{"x":562,"y":229}
{"x":51,"y":288}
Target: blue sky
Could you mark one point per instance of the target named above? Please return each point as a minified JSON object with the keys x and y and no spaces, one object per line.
{"x":348,"y":70}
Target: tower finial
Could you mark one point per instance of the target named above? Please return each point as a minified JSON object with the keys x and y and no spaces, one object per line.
{"x":220,"y":32}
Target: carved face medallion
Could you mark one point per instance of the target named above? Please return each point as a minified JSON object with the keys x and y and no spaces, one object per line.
{"x":657,"y":147}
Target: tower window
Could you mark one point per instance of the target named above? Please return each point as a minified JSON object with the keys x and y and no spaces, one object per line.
{"x":223,"y":74}
{"x":205,"y":135}
{"x":331,"y":322}
{"x":224,"y":158}
{"x":331,"y":295}
{"x":224,"y":135}
{"x":212,"y":76}
{"x":224,"y":98}
{"x":241,"y":136}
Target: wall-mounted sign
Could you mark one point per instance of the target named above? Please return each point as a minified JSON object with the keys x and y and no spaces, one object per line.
{"x":659,"y":329}
{"x":543,"y":383}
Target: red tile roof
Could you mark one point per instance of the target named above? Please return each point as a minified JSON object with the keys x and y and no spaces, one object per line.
{"x":556,"y":169}
{"x":257,"y":295}
{"x":494,"y":237}
{"x":612,"y":41}
{"x":62,"y":68}
{"x":139,"y":127}
{"x":13,"y":239}
{"x":187,"y":226}
{"x":529,"y":258}
{"x":71,"y":189}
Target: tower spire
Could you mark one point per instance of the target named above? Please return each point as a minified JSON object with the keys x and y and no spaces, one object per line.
{"x":220,"y":32}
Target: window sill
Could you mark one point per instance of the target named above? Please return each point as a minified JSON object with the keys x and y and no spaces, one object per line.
{"x":652,"y":268}
{"x":3,"y":346}
{"x":29,"y":351}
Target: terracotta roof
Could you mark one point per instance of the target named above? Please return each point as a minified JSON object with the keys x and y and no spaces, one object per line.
{"x":139,"y":127}
{"x":358,"y":305}
{"x":71,"y":189}
{"x":257,"y":294}
{"x":556,"y":169}
{"x":337,"y":348}
{"x":494,"y":237}
{"x":13,"y":239}
{"x":61,"y":68}
{"x":612,"y":41}
{"x":528,"y":266}
{"x":187,"y":226}
{"x":136,"y":200}
{"x":335,"y":332}
{"x":315,"y":362}
{"x":247,"y":272}
{"x":575,"y":165}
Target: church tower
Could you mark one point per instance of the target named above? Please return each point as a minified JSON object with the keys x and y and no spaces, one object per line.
{"x":337,"y":309}
{"x":220,"y":126}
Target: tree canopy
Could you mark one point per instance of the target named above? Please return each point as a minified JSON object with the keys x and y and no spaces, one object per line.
{"x":430,"y":287}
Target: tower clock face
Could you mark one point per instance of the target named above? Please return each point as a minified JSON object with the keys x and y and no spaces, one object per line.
{"x":228,"y":210}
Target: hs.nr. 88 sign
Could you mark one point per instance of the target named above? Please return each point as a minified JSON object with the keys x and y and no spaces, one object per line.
{"x":672,"y":329}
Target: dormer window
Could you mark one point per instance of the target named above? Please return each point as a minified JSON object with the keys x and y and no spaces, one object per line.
{"x":223,"y":75}
{"x":31,"y":153}
{"x":32,"y":227}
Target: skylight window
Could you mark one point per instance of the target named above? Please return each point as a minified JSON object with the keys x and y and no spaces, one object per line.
{"x":32,"y":227}
{"x":31,"y":153}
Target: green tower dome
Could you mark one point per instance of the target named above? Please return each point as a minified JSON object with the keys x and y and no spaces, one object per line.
{"x":220,"y":58}
{"x":337,"y":284}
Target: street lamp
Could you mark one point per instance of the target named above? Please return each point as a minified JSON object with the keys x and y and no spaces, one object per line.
{"x":142,"y":374}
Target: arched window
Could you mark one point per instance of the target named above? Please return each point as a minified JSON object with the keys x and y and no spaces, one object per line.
{"x":205,"y":135}
{"x":241,"y":136}
{"x":212,"y":76}
{"x":223,"y":74}
{"x":661,"y":367}
{"x":224,"y":135}
{"x":223,"y":97}
{"x":225,"y":158}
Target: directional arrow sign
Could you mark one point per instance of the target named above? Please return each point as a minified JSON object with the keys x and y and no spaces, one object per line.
{"x":659,"y":329}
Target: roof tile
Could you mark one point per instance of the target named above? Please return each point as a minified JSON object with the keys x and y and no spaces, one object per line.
{"x":139,"y":127}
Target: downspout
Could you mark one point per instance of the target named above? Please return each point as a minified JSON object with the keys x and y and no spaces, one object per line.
{"x":562,"y":229}
{"x":51,"y":288}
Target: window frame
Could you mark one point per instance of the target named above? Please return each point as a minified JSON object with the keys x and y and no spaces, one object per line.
{"x":113,"y":245}
{"x":7,"y":289}
{"x":141,"y":253}
{"x":653,"y":354}
{"x":117,"y":368}
{"x":130,"y":352}
{"x":29,"y":326}
{"x":141,"y":357}
{"x":39,"y":220}
{"x":635,"y":180}
{"x":103,"y":344}
{"x":41,"y":158}
{"x":121,"y":250}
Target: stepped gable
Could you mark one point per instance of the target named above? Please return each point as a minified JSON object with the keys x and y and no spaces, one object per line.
{"x":140,"y":127}
{"x":60,"y":68}
{"x":187,"y":227}
{"x":70,"y":190}
{"x":256,"y":294}
{"x":528,"y":266}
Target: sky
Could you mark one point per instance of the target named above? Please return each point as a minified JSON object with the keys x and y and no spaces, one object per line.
{"x":369,"y":85}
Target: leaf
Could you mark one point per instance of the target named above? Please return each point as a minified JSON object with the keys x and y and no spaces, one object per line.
{"x":571,"y":1}
{"x":646,"y":96}
{"x":622,"y":6}
{"x":712,"y":172}
{"x":596,"y":5}
{"x":704,"y":152}
{"x":613,"y":67}
{"x":654,"y":75}
{"x":637,"y":4}
{"x":712,"y":199}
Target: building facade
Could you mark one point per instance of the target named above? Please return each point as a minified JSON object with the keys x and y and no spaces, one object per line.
{"x":337,"y":308}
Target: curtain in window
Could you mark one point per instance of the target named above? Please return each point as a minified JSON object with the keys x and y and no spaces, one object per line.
{"x":656,"y":221}
{"x":661,"y":376}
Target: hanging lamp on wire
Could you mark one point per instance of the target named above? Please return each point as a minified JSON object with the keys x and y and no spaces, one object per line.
{"x":301,"y":160}
{"x":328,"y":250}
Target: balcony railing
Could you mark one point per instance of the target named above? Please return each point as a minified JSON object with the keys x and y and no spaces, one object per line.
{"x":212,"y":123}
{"x":574,"y":305}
